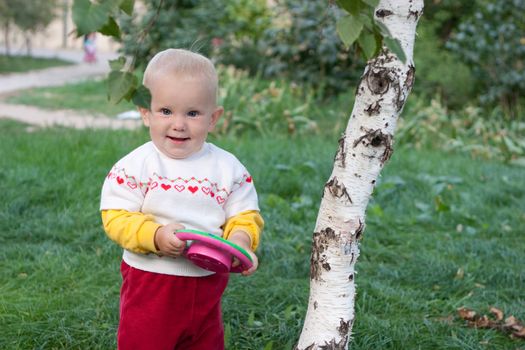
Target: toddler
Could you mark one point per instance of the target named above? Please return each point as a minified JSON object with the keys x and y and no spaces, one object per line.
{"x":177,"y":180}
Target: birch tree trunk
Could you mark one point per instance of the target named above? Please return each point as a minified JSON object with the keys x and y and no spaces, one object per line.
{"x":363,"y":150}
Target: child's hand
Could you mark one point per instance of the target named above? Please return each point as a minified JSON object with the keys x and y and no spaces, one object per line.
{"x":243,"y":240}
{"x":167,"y":242}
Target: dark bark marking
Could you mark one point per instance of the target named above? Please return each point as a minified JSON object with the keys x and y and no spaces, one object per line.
{"x":383,"y":13}
{"x":351,"y":277}
{"x":341,"y":154}
{"x":376,"y":141}
{"x":378,"y":80}
{"x":374,"y":108}
{"x":344,"y":327}
{"x":333,"y":345}
{"x":376,"y":138}
{"x":399,"y":98}
{"x":409,"y":81}
{"x":359,"y":232}
{"x":402,"y":92}
{"x":337,"y":189}
{"x":319,"y":260}
{"x":315,"y":305}
{"x":416,"y":14}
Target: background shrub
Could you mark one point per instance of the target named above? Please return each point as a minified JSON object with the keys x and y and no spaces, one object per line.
{"x":491,"y":43}
{"x":202,"y":26}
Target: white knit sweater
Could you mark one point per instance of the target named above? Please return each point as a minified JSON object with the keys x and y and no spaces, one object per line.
{"x":200,"y":192}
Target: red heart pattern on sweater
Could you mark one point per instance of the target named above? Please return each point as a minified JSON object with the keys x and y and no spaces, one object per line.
{"x":131,"y":182}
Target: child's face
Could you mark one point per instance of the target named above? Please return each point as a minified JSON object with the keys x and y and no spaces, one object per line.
{"x":183,"y":111}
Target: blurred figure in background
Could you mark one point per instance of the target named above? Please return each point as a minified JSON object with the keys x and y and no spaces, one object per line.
{"x":90,"y":48}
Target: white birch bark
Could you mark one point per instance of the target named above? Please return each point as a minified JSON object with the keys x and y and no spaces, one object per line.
{"x":363,"y":150}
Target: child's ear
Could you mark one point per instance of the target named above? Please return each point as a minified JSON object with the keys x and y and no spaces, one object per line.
{"x":145,"y":114}
{"x":215,"y":117}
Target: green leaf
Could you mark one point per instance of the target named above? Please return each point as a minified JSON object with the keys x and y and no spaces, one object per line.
{"x":111,"y":28}
{"x":142,"y":97}
{"x":367,"y":20}
{"x":351,"y":6}
{"x":372,"y":3}
{"x":251,"y":319}
{"x":120,"y":85}
{"x":368,"y":44}
{"x":440,"y":205}
{"x":90,"y":17}
{"x":127,"y":6}
{"x":268,"y":346}
{"x":349,"y":27}
{"x":383,"y":29}
{"x":395,"y":46}
{"x":117,"y":64}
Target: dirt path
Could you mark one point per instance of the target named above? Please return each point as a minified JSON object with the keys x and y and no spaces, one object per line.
{"x":57,"y":76}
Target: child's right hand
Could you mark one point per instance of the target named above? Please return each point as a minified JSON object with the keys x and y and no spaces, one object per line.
{"x":167,"y":242}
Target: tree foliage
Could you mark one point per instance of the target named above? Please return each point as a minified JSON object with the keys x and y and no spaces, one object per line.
{"x":492,"y":43}
{"x":29,"y":16}
{"x":204,"y":26}
{"x":304,"y":47}
{"x":446,"y":15}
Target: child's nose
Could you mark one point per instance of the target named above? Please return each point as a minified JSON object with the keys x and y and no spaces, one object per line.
{"x":179,"y":122}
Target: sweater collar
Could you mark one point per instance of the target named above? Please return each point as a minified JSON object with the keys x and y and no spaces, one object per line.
{"x":199,"y":154}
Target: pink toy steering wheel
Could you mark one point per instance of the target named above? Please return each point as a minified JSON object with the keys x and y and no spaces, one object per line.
{"x":214,"y":253}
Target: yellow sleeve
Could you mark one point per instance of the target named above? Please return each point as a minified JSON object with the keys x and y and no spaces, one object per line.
{"x":133,"y":231}
{"x":250,"y":222}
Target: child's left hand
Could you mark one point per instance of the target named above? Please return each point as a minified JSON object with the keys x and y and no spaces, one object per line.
{"x":243,"y":240}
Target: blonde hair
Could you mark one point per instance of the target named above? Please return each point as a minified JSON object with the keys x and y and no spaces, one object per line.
{"x":181,"y":62}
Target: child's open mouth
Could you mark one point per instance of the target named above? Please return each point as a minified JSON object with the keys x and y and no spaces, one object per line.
{"x":178,"y":139}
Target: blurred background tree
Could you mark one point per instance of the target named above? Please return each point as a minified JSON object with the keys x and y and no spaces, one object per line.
{"x":303,"y":46}
{"x":223,"y":28}
{"x":29,"y":16}
{"x":492,"y":43}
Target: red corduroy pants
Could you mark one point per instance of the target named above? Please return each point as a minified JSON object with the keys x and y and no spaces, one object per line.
{"x":160,"y":311}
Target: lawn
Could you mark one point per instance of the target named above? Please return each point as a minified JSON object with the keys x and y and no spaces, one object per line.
{"x":18,"y":64}
{"x":443,"y":231}
{"x":89,"y":95}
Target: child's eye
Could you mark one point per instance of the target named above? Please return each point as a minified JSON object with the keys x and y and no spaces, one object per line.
{"x":193,"y":113}
{"x":165,"y":111}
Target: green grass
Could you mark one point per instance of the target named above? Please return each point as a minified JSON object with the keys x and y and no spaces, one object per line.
{"x":89,"y":95}
{"x":59,"y":276}
{"x":19,"y":64}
